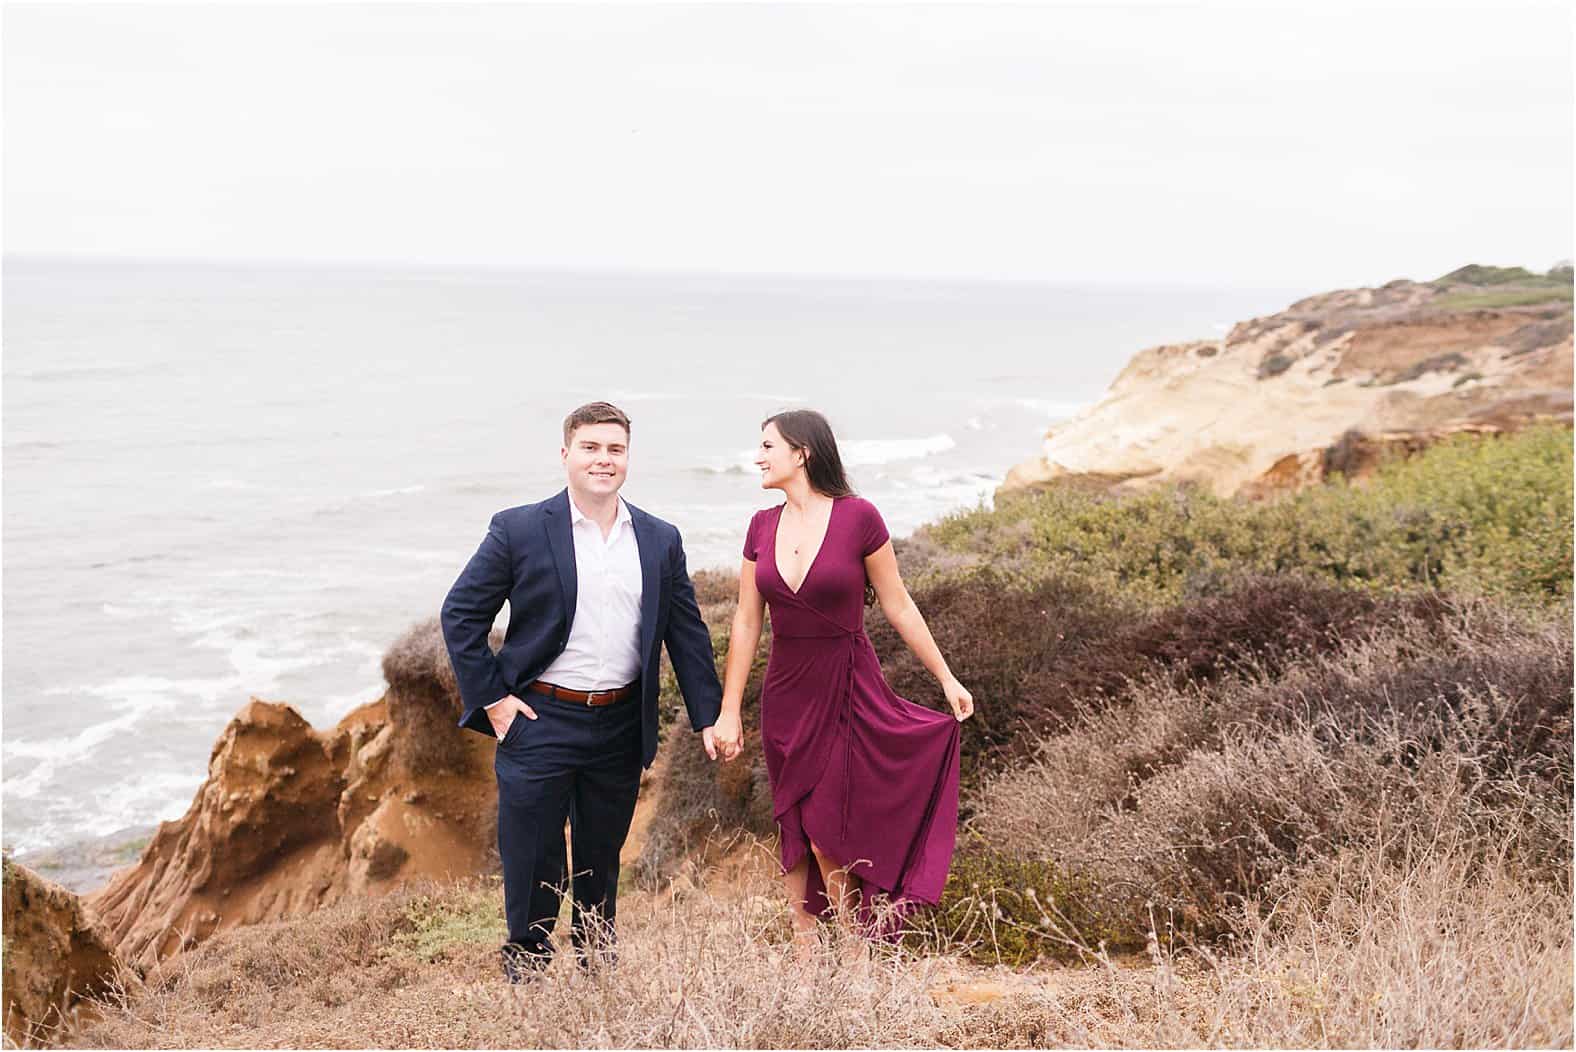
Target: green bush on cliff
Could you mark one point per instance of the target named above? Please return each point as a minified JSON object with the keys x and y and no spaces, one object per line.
{"x":1479,"y":274}
{"x":1506,"y":298}
{"x":1470,"y":514}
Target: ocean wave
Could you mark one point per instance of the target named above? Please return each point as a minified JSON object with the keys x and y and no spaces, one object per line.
{"x":738,"y":464}
{"x":131,"y":560}
{"x":483,"y":485}
{"x":148,"y":799}
{"x":136,"y":698}
{"x":865,"y":452}
{"x":351,"y":502}
{"x":1053,"y":408}
{"x":399,"y":491}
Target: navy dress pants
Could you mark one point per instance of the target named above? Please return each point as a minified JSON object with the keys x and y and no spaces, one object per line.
{"x":573,"y":761}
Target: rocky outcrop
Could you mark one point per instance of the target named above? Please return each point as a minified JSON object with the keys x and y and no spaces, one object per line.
{"x":54,"y":956}
{"x":291,"y":819}
{"x":1329,"y":384}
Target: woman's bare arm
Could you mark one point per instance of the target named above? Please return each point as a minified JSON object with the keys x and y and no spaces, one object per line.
{"x":743,"y":638}
{"x":901,"y":613}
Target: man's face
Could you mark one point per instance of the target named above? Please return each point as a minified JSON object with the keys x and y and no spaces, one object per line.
{"x":597,"y":459}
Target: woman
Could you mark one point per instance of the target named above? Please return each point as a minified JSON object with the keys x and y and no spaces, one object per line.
{"x":864,"y":783}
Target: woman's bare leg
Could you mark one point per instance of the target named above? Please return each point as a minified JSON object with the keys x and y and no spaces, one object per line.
{"x":842,"y":890}
{"x":805,"y":936}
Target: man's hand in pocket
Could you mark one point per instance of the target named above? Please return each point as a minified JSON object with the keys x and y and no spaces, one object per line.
{"x":502,"y":713}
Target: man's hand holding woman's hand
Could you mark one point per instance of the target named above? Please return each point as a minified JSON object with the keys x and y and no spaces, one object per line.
{"x":502,"y":714}
{"x":728,"y":735}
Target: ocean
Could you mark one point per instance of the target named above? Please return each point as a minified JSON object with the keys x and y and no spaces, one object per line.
{"x":225,"y":481}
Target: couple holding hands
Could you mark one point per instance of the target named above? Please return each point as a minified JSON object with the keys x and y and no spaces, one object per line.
{"x":864,"y":783}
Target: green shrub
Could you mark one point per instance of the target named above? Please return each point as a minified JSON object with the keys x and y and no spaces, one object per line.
{"x":1476,"y":514}
{"x":1507,"y":298}
{"x":438,"y":922}
{"x":1007,"y":909}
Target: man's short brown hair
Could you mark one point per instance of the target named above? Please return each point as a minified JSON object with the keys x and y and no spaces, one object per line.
{"x":595,"y":413}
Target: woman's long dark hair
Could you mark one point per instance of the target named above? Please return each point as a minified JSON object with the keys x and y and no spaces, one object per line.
{"x":808,"y":430}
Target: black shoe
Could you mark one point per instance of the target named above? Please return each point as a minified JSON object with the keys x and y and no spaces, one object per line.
{"x":589,"y":958}
{"x":521,"y":965}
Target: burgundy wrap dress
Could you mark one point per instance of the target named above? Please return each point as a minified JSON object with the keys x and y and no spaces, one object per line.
{"x":869,"y":776}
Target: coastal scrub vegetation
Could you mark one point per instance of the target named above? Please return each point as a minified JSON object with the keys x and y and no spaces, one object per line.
{"x":1478,"y":287}
{"x":1292,"y":773}
{"x":1211,"y":727}
{"x":1470,"y":515}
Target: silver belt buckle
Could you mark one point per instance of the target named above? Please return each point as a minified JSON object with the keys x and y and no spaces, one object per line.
{"x":591,"y":696}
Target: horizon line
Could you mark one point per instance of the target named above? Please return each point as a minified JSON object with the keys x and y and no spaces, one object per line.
{"x":636,"y":271}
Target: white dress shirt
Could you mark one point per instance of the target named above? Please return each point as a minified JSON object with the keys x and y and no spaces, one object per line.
{"x":603,"y":651}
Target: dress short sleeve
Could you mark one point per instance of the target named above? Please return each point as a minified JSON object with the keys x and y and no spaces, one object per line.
{"x":872,"y":529}
{"x":750,"y":533}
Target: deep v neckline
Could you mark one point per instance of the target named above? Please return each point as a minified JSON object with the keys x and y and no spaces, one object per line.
{"x":777,"y":567}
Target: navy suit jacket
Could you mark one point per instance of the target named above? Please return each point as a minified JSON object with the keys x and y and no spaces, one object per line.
{"x":528,"y":558}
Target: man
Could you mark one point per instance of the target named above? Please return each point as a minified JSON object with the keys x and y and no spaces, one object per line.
{"x":594,"y":585}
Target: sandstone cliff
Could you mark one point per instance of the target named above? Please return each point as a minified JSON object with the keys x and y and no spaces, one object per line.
{"x":1327,"y":384}
{"x":54,"y":954}
{"x":291,"y":819}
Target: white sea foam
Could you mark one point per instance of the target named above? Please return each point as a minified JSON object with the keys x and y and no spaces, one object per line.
{"x":737,"y":464}
{"x":154,"y":796}
{"x":1051,"y":408}
{"x":857,"y":452}
{"x":865,"y":452}
{"x":136,"y":698}
{"x":354,"y":500}
{"x":339,"y":704}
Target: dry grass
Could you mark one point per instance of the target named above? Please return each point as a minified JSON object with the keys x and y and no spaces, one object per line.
{"x":1442,"y":952}
{"x":1438,"y":948}
{"x":1189,"y":801}
{"x":1324,"y":818}
{"x":424,"y":700}
{"x":419,"y":969}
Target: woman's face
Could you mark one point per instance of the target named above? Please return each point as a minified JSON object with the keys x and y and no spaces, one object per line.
{"x":778,"y":461}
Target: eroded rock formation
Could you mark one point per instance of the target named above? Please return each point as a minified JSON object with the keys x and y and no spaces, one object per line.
{"x":291,"y":818}
{"x":1328,"y":384}
{"x":54,"y":954}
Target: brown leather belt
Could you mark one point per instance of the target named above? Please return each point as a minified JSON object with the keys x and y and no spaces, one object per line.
{"x":591,"y":697}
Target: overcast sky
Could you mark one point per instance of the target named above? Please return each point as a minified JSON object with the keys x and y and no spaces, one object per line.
{"x":1325,"y":147}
